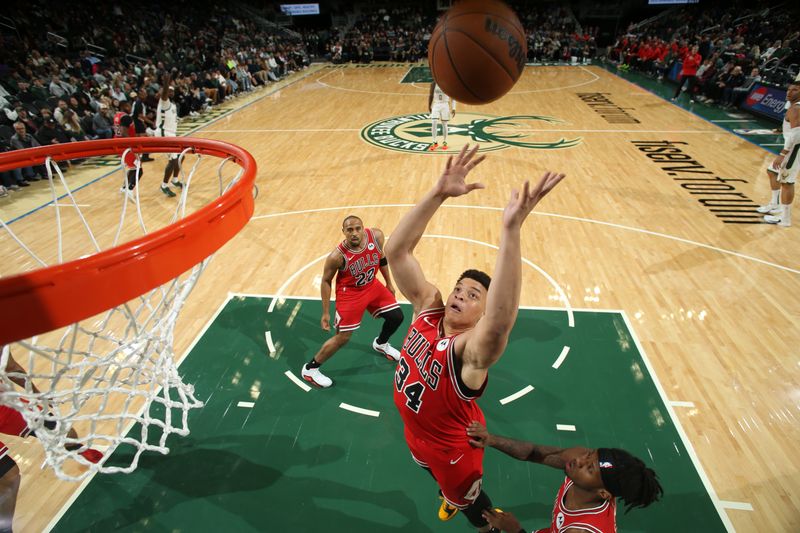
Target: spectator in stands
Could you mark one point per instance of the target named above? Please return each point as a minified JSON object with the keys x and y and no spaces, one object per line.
{"x":739,"y":93}
{"x":691,"y":62}
{"x":20,"y":141}
{"x":51,"y":133}
{"x":60,"y":89}
{"x":732,"y":81}
{"x":101,"y":122}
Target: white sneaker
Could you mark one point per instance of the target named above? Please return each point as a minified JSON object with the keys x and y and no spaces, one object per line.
{"x":772,"y":219}
{"x":769,"y":209}
{"x":388,"y":351}
{"x":315,"y":377}
{"x":3,"y":191}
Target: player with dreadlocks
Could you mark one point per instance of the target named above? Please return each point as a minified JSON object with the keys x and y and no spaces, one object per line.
{"x":595,"y":478}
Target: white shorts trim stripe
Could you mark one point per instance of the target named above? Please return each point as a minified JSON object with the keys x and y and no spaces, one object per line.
{"x":385,"y":308}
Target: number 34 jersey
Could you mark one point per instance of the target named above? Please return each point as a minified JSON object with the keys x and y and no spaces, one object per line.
{"x":433,"y":402}
{"x":360,"y":267}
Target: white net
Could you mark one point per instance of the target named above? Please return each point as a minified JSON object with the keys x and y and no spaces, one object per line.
{"x":109,"y":382}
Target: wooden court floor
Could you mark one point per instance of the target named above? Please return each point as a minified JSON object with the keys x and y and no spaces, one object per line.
{"x":655,"y":219}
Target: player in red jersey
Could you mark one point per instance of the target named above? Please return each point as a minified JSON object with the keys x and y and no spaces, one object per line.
{"x":450,"y":346}
{"x":124,"y":127}
{"x":12,"y":423}
{"x":355,"y":262}
{"x":586,"y":500}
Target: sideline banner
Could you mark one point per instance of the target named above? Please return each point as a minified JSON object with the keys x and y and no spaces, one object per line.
{"x":766,"y":101}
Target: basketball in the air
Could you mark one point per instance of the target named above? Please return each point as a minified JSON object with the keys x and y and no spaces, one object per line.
{"x":477,"y":51}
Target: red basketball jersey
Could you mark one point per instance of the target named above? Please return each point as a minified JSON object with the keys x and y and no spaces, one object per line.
{"x":130,"y":158}
{"x":600,"y":519}
{"x":118,"y":127}
{"x":360,"y":268}
{"x":433,"y":402}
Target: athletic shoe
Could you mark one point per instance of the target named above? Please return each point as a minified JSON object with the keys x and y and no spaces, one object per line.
{"x":14,"y":187}
{"x":772,"y":219}
{"x":315,"y":377}
{"x":769,"y":209}
{"x":93,"y":456}
{"x":446,"y":511}
{"x":388,"y":351}
{"x":444,"y":146}
{"x":168,"y":192}
{"x":23,"y":183}
{"x":433,"y":147}
{"x":3,"y":191}
{"x":178,"y":183}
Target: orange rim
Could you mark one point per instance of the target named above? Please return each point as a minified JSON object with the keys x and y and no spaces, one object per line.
{"x":53,"y":297}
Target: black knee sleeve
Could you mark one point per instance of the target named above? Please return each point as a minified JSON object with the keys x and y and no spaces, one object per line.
{"x":392,"y":320}
{"x":473,"y":512}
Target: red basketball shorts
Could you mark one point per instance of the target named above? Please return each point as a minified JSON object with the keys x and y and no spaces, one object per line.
{"x":458,"y":471}
{"x":351,"y":304}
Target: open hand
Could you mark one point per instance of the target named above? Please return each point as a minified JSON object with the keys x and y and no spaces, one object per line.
{"x":521,"y":204}
{"x":479,"y":434}
{"x":452,"y":182}
{"x":503,"y":521}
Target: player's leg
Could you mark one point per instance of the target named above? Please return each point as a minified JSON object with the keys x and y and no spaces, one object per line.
{"x":347,"y":320}
{"x":311,"y":371}
{"x":444,"y":134}
{"x":787,"y":179}
{"x":384,"y":305}
{"x":9,"y":488}
{"x":459,"y":473}
{"x":434,"y":132}
{"x":772,"y":207}
{"x":171,"y":171}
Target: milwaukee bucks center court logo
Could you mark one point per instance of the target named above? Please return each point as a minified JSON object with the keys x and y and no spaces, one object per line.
{"x":412,"y":133}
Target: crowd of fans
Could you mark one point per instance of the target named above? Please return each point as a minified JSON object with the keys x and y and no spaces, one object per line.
{"x":402,"y":34}
{"x":65,"y":81}
{"x":723,"y":50}
{"x":65,"y":72}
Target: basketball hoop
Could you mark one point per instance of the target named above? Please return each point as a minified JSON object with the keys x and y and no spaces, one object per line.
{"x":95,"y":331}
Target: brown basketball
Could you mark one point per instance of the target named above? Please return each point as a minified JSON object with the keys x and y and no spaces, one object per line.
{"x":477,"y":51}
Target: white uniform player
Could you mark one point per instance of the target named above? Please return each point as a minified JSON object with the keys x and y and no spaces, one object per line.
{"x":167,"y":126}
{"x":784,"y":169}
{"x":443,"y":108}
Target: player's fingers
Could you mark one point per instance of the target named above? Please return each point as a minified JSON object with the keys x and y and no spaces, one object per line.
{"x":474,"y":163}
{"x":473,"y":150}
{"x":463,"y":151}
{"x":449,"y":162}
{"x":476,"y":185}
{"x":554,"y":180}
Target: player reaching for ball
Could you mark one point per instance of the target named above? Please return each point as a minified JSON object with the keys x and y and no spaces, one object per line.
{"x":443,"y":108}
{"x":445,"y":359}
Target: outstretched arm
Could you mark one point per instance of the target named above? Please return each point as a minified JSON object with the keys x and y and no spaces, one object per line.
{"x":400,"y":249}
{"x":484,"y":345}
{"x":523,"y":451}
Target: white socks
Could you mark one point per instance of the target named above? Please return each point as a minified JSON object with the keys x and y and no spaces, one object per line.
{"x":776,"y":197}
{"x":433,"y":130}
{"x":786,"y":215}
{"x":444,"y":129}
